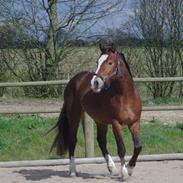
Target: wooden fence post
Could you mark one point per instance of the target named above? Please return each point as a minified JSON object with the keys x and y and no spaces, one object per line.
{"x":89,"y":135}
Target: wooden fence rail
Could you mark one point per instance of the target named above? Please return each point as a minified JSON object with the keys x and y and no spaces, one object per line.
{"x":57,"y":110}
{"x":87,"y":124}
{"x":61,"y":82}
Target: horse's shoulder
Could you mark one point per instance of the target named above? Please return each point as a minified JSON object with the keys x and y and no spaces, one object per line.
{"x":81,"y":76}
{"x":79,"y":79}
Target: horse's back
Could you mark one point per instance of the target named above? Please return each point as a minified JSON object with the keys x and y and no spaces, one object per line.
{"x":78,"y":85}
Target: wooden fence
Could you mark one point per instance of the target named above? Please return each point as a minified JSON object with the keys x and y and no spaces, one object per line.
{"x":61,"y":82}
{"x":57,"y":110}
{"x":87,"y":124}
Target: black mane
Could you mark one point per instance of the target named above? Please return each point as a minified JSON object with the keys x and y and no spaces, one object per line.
{"x":126,"y":64}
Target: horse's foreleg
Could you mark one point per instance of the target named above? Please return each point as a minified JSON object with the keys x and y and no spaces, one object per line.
{"x":135,"y":132}
{"x":101,"y":138}
{"x":121,"y":147}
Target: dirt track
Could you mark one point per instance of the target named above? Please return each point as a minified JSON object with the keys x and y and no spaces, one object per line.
{"x":170,"y":117}
{"x":145,"y":172}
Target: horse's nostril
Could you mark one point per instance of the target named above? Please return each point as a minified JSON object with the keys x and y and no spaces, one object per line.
{"x":96,"y":83}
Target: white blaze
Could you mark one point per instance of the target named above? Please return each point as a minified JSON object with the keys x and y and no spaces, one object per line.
{"x":100,"y":62}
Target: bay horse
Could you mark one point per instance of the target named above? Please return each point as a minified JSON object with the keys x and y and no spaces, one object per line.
{"x":109,"y":96}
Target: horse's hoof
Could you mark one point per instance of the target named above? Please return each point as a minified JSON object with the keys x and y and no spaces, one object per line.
{"x":124,"y":172}
{"x":130,"y":169}
{"x":113,"y":170}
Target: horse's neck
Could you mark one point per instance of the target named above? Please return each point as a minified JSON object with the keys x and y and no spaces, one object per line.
{"x":125,"y":84}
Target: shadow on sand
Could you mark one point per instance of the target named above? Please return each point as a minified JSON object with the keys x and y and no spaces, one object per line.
{"x":37,"y":174}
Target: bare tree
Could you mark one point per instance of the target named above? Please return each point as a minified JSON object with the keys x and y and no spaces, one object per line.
{"x":3,"y":76}
{"x":48,"y":26}
{"x":174,"y":30}
{"x":159,"y":23}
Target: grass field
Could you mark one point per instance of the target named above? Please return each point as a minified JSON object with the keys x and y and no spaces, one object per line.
{"x":23,"y":138}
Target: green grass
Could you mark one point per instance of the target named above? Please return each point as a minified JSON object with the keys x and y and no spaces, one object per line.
{"x":23,"y":137}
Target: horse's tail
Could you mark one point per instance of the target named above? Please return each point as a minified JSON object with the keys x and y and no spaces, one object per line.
{"x":61,"y":141}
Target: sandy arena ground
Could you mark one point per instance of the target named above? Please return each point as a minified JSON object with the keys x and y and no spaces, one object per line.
{"x":145,"y":172}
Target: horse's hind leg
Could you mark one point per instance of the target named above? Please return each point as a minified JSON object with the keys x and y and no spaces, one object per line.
{"x":74,"y":116}
{"x":101,"y":138}
{"x":135,"y":132}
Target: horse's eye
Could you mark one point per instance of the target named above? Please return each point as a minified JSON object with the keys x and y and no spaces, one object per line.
{"x":110,"y":63}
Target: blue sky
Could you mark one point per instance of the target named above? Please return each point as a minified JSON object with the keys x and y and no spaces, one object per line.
{"x":111,"y":21}
{"x":115,"y":20}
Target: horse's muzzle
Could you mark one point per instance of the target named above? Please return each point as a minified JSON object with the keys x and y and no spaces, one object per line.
{"x":97,"y":84}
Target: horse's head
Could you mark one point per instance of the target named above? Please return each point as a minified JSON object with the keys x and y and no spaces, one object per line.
{"x":108,"y":69}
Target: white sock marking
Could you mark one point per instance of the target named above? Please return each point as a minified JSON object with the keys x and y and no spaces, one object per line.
{"x":124,"y":172}
{"x":109,"y":160}
{"x":111,"y":165}
{"x":72,"y":166}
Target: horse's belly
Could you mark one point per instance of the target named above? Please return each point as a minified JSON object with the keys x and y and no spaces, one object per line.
{"x":106,"y":116}
{"x":100,"y":114}
{"x":106,"y":109}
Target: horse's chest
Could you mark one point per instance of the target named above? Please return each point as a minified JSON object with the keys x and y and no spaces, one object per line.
{"x":125,"y":112}
{"x":99,"y":109}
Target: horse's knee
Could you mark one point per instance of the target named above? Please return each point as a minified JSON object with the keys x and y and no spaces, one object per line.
{"x":133,"y":160}
{"x":138,"y":149}
{"x":137,"y":146}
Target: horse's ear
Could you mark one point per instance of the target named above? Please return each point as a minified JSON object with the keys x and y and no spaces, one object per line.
{"x":102,"y":48}
{"x":113,"y":47}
